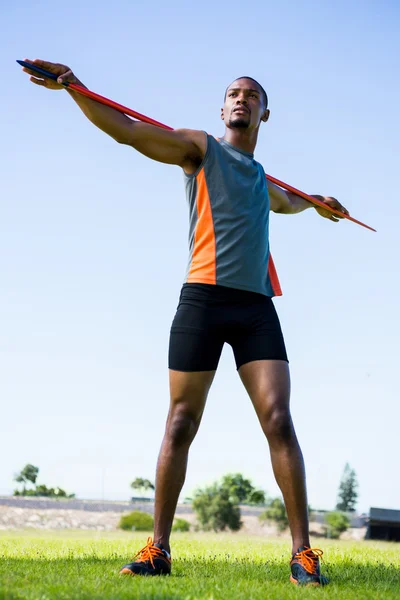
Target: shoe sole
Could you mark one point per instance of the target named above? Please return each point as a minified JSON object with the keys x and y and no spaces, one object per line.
{"x":132,"y":574}
{"x":127,"y":572}
{"x":310,"y":584}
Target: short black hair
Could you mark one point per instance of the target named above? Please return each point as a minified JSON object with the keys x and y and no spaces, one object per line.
{"x":264,"y":93}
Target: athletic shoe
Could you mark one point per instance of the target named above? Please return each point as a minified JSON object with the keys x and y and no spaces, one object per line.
{"x":151,"y":560}
{"x":305,"y":567}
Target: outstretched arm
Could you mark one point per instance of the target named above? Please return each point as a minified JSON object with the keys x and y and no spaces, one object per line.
{"x":288,"y":203}
{"x":183,"y":147}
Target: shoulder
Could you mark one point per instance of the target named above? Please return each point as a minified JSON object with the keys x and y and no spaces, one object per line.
{"x":195,"y":137}
{"x":260,"y":167}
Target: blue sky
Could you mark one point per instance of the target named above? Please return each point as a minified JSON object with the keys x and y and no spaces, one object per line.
{"x":93,"y":240}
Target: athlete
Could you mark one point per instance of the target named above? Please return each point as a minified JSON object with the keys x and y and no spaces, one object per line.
{"x":226,"y":297}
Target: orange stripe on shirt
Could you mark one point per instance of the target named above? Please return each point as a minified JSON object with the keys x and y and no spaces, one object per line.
{"x":273,"y":276}
{"x":203,"y":268}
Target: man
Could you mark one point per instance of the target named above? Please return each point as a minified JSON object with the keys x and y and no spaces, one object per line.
{"x":227,"y":297}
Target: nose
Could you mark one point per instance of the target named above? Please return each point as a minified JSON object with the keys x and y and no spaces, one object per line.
{"x":241,"y":100}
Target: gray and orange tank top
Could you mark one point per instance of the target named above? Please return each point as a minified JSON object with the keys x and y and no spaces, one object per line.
{"x":229,"y":222}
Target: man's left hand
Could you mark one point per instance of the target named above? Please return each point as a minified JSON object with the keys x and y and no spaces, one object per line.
{"x":334,"y":204}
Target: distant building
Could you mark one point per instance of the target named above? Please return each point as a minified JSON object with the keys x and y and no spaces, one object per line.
{"x":141,"y":499}
{"x":384,"y":524}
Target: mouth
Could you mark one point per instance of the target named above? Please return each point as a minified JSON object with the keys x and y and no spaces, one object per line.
{"x":241,"y":110}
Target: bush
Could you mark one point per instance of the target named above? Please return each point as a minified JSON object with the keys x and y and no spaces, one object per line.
{"x":136,"y":521}
{"x":42,"y":491}
{"x":276,"y":513}
{"x":181,"y":525}
{"x":216,"y":510}
{"x":336,"y":523}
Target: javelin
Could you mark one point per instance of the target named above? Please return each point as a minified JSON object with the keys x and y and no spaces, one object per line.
{"x":132,"y":113}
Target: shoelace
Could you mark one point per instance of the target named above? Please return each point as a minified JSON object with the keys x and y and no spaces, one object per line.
{"x":309,"y":559}
{"x":149,"y":552}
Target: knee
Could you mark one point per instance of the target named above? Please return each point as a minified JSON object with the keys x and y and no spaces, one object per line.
{"x":277,"y":425}
{"x":181,"y":429}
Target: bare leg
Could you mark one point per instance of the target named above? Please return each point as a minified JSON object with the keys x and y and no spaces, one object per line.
{"x":188,"y":398}
{"x":268,"y":385}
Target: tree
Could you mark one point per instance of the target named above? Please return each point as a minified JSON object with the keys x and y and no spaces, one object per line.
{"x":256,"y":497}
{"x":241,"y":490}
{"x":347,"y":496}
{"x":276,"y":512}
{"x":28,"y":474}
{"x":336,"y":523}
{"x":237,"y":487}
{"x":142,"y":485}
{"x":216,"y":509}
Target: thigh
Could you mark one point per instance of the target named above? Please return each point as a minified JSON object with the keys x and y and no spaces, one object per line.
{"x":258,"y":334}
{"x":188,"y":392}
{"x":268,"y":384}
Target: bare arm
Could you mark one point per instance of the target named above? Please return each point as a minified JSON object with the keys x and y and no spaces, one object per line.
{"x":183,"y":147}
{"x":288,"y":203}
{"x":285,"y":202}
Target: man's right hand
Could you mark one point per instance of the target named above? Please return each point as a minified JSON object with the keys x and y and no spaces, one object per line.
{"x":183,"y":147}
{"x":63,"y":72}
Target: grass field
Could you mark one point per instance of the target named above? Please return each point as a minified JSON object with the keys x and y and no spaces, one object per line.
{"x":83,"y":565}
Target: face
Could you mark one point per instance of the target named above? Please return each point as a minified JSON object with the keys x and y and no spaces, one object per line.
{"x":244,"y":106}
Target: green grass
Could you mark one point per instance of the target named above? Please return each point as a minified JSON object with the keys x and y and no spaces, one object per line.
{"x":82,"y":565}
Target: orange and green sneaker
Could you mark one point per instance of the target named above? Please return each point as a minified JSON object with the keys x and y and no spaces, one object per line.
{"x":305,"y":569}
{"x":153,"y":559}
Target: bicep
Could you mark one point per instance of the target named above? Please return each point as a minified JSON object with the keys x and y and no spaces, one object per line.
{"x":174,"y":147}
{"x":279,"y":199}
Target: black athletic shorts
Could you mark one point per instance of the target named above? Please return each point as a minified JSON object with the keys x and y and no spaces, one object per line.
{"x":210,"y":315}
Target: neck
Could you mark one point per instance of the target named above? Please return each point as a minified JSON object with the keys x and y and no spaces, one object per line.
{"x":241,"y":138}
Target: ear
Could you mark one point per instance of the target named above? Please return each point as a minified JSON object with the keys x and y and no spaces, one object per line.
{"x":222,"y":113}
{"x":265,"y":116}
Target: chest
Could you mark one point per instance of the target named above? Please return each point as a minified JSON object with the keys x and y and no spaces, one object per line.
{"x":239,"y":186}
